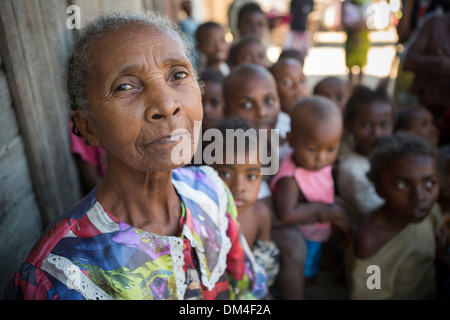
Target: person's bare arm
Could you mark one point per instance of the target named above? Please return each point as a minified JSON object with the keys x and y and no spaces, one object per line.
{"x":264,"y":221}
{"x":291,"y":208}
{"x":416,"y":58}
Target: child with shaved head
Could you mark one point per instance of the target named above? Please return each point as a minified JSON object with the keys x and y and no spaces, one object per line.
{"x":303,"y":191}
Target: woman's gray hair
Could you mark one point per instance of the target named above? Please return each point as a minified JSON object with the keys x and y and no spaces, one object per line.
{"x":79,"y":65}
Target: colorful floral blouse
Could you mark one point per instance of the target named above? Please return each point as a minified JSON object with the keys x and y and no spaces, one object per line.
{"x":90,"y":254}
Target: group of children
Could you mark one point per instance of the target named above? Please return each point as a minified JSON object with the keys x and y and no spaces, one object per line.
{"x":350,"y":166}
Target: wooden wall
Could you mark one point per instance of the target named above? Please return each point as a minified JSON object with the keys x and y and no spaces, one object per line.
{"x":38,"y":177}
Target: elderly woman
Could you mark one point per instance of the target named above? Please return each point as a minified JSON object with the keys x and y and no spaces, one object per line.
{"x":151,"y":229}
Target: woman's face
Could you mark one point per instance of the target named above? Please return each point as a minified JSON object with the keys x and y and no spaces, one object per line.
{"x":143,"y":97}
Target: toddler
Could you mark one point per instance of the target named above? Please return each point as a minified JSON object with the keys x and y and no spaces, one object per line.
{"x":303,"y":191}
{"x":369,"y":115}
{"x":418,"y":120}
{"x":399,"y":238}
{"x":243,"y":177}
{"x":212,"y":47}
{"x":212,"y":97}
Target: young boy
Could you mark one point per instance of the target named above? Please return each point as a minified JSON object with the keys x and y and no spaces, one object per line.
{"x":243,"y":177}
{"x":250,"y":92}
{"x":212,"y":47}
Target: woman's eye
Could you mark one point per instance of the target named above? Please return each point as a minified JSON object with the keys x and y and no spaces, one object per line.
{"x":180,"y":75}
{"x":124,"y":87}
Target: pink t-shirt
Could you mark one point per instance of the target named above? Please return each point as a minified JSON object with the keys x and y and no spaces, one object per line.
{"x":316,"y":186}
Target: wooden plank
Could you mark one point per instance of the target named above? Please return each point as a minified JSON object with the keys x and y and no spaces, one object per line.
{"x":20,"y":220}
{"x":34,"y":45}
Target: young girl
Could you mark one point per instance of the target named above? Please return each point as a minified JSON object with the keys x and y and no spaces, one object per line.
{"x":369,"y":115}
{"x":303,"y":190}
{"x":399,"y":238}
{"x":243,"y":177}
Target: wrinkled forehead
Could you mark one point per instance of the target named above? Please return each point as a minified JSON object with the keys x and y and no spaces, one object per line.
{"x":129,"y":38}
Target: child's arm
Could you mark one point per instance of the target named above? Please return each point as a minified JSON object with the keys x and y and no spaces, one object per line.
{"x":264,"y":220}
{"x":291,"y":207}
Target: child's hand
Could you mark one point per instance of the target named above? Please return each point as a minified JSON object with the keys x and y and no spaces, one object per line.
{"x":340,"y":221}
{"x":443,"y":248}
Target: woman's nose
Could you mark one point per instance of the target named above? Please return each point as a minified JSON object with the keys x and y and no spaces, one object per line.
{"x":160,"y":104}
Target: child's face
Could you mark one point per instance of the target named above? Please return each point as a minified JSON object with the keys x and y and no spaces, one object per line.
{"x":410,"y":187}
{"x":252,"y":52}
{"x":256,"y":100}
{"x":213,"y":104}
{"x":243,"y":180}
{"x":372,"y":122}
{"x":291,"y":83}
{"x":315,"y":143}
{"x":214,"y":46}
{"x":421,"y":123}
{"x":253,"y":24}
{"x":336,"y":91}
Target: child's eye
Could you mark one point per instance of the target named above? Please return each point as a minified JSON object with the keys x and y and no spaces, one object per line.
{"x":401,"y":185}
{"x":270,"y":101}
{"x":252,"y":176}
{"x":246,"y":105}
{"x":430,"y":184}
{"x":287,"y":82}
{"x":225,"y":174}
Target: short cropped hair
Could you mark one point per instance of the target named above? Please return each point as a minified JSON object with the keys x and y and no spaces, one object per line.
{"x":79,"y":66}
{"x":386,"y":150}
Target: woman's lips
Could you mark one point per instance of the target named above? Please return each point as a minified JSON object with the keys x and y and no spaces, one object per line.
{"x":168,"y":140}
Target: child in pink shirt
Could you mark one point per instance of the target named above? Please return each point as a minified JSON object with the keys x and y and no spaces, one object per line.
{"x":303,"y":190}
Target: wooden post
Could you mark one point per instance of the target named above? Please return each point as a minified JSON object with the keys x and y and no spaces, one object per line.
{"x":34,"y":47}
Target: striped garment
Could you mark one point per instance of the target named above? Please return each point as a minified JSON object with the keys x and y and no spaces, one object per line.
{"x":90,"y":254}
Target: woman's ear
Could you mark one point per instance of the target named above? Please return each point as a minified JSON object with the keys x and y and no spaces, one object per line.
{"x":85,"y":127}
